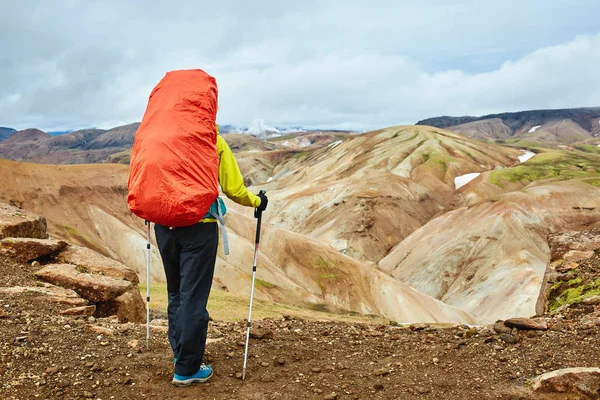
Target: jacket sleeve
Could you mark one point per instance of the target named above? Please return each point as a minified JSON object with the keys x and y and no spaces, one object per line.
{"x":231,"y":179}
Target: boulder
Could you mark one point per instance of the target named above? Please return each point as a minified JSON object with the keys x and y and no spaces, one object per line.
{"x":15,"y":222}
{"x":85,"y":311}
{"x":584,"y":381}
{"x":94,"y":263}
{"x":49,"y":292}
{"x":527,"y":324}
{"x":128,"y":307}
{"x":27,"y":249}
{"x":90,"y":286}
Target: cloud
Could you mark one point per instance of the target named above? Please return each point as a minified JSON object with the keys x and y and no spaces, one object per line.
{"x":361,"y":66}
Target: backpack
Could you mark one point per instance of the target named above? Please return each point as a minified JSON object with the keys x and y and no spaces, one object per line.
{"x":173,"y":178}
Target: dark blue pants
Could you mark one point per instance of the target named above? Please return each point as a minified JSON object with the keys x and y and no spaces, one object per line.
{"x":189,"y":255}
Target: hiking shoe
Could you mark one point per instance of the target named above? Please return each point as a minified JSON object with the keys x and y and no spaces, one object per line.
{"x":203,"y":375}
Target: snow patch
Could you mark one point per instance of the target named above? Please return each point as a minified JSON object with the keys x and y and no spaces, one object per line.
{"x":535,"y":128}
{"x":340,"y":245}
{"x":462,"y":180}
{"x":270,"y":179}
{"x":526,"y":156}
{"x":332,"y":145}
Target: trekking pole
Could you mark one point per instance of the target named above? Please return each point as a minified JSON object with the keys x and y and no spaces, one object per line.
{"x":148,"y":286}
{"x":258,"y":216}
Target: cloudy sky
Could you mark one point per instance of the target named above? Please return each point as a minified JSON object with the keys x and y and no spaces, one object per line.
{"x":337,"y":64}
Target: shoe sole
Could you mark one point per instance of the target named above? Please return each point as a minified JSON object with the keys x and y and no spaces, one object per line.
{"x":188,"y":382}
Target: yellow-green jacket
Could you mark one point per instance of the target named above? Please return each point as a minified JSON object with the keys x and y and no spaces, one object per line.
{"x":231,"y":179}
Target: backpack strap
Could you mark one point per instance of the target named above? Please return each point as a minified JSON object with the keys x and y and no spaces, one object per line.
{"x":219,"y":217}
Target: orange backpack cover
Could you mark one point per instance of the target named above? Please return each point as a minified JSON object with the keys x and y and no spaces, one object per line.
{"x":173,"y":177}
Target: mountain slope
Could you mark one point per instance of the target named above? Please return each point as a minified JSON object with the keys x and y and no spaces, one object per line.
{"x":489,"y":259}
{"x":6,"y":132}
{"x":533,"y":128}
{"x":86,"y":205}
{"x":367,"y":193}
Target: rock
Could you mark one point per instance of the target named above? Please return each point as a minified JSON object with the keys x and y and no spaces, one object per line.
{"x":128,"y":307}
{"x":26,"y":249}
{"x":527,"y":324}
{"x":85,"y":311}
{"x":93,"y":287}
{"x":499,"y":327}
{"x":578,"y":256}
{"x":378,"y":386}
{"x":592,"y":301}
{"x":571,"y":265}
{"x":51,"y":370}
{"x":15,"y":223}
{"x":261,"y":334}
{"x":3,"y":314}
{"x":418,"y":327}
{"x":280,"y":362}
{"x":238,"y":375}
{"x":264,"y":364}
{"x":49,"y":292}
{"x":100,"y":330}
{"x":570,"y":380}
{"x":381,"y":372}
{"x":95,"y":263}
{"x":35,"y":264}
{"x":316,"y":370}
{"x":133,"y":344}
{"x":422,"y":389}
{"x":331,"y":396}
{"x":88,"y":395}
{"x":159,"y":329}
{"x":510,"y":339}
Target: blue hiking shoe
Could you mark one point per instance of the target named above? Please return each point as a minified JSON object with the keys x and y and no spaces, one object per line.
{"x":203,"y":375}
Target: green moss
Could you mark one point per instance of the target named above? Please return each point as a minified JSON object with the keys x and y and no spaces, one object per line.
{"x":322,"y":264}
{"x":588,"y":148}
{"x":426,"y":157}
{"x":328,"y":276}
{"x":265,"y":284}
{"x":575,"y":292}
{"x":551,"y":164}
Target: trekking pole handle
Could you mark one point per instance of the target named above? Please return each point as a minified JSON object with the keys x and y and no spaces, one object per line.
{"x":258,"y":215}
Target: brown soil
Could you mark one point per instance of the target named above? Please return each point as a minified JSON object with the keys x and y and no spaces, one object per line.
{"x":44,"y":355}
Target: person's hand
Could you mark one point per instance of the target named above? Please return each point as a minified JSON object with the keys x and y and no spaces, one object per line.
{"x":263,"y":201}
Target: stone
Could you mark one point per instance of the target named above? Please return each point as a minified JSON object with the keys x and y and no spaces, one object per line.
{"x":381,"y":372}
{"x":499,"y":327}
{"x":264,"y":364}
{"x":128,"y":307}
{"x":93,"y":287}
{"x":418,"y":327}
{"x":592,"y":301}
{"x":570,"y":380}
{"x":238,"y":375}
{"x":422,"y":389}
{"x":578,"y":256}
{"x":567,"y":266}
{"x":27,"y":249}
{"x":89,"y":261}
{"x":331,"y":396}
{"x":85,"y":311}
{"x":15,"y":222}
{"x":133,"y":344}
{"x":261,"y":334}
{"x":527,"y":324}
{"x":510,"y":339}
{"x":100,"y":330}
{"x":48,"y":292}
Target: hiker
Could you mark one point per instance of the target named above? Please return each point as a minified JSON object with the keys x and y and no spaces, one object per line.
{"x":177,"y":155}
{"x":189,"y":256}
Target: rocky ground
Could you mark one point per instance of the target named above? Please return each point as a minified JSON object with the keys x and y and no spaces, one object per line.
{"x":47,"y":355}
